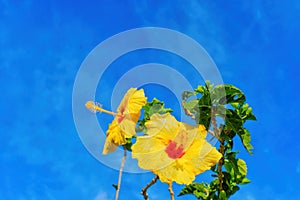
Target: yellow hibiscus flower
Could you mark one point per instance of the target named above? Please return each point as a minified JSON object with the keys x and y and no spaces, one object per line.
{"x":173,"y":150}
{"x":123,"y":125}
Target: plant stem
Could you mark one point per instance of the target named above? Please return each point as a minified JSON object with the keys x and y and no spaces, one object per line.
{"x":120,"y":174}
{"x":171,"y":191}
{"x":221,"y":150}
{"x":220,"y":165}
{"x":144,"y":190}
{"x":214,"y":123}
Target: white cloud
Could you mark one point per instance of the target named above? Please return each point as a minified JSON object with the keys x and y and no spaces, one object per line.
{"x":244,"y":194}
{"x":250,"y":197}
{"x":101,"y":196}
{"x":298,"y":168}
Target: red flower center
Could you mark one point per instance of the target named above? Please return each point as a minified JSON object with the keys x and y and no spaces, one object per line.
{"x":120,"y":118}
{"x":173,"y":151}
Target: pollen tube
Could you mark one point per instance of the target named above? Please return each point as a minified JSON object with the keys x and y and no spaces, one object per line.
{"x":96,"y":108}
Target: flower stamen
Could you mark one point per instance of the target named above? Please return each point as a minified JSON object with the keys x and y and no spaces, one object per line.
{"x":96,"y":107}
{"x":174,"y":151}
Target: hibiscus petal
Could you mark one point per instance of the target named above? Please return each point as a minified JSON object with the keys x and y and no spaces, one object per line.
{"x":150,"y":153}
{"x":132,"y":101}
{"x":178,"y":171}
{"x":114,"y":137}
{"x":163,"y":127}
{"x":127,"y":128}
{"x":109,"y":147}
{"x":136,"y":101}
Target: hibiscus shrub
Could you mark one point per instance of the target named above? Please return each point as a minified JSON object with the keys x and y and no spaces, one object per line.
{"x":224,"y":104}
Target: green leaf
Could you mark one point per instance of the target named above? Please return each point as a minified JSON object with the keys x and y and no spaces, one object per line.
{"x":199,"y":109}
{"x":242,"y":167}
{"x":115,"y":186}
{"x":204,"y":117}
{"x":128,"y":144}
{"x":234,"y":189}
{"x":214,"y":168}
{"x":229,"y":184}
{"x":214,"y":185}
{"x":220,"y":110}
{"x":227,"y":181}
{"x":203,"y":114}
{"x":199,"y":190}
{"x":250,"y":116}
{"x":225,"y":94}
{"x":228,"y":146}
{"x":190,"y":105}
{"x":233,"y":120}
{"x":222,"y":195}
{"x":245,"y":181}
{"x":229,"y":166}
{"x":245,"y":112}
{"x":237,"y":169}
{"x":204,"y":89}
{"x":156,"y":106}
{"x":187,"y":94}
{"x":200,"y":89}
{"x":204,"y":101}
{"x":246,"y":139}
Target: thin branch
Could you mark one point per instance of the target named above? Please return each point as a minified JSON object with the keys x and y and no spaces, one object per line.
{"x":171,"y":191}
{"x":187,"y":112}
{"x":120,"y":174}
{"x":221,"y":150}
{"x":144,"y":190}
{"x":211,"y":132}
{"x":220,"y":164}
{"x":214,"y":135}
{"x":216,"y":131}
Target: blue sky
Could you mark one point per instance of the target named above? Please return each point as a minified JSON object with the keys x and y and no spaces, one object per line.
{"x":255,"y":45}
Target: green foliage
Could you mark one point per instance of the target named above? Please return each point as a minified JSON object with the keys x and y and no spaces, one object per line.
{"x":128,"y":144}
{"x":205,"y":104}
{"x":155,"y":106}
{"x":115,"y":186}
{"x":200,"y":190}
{"x":198,"y":109}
